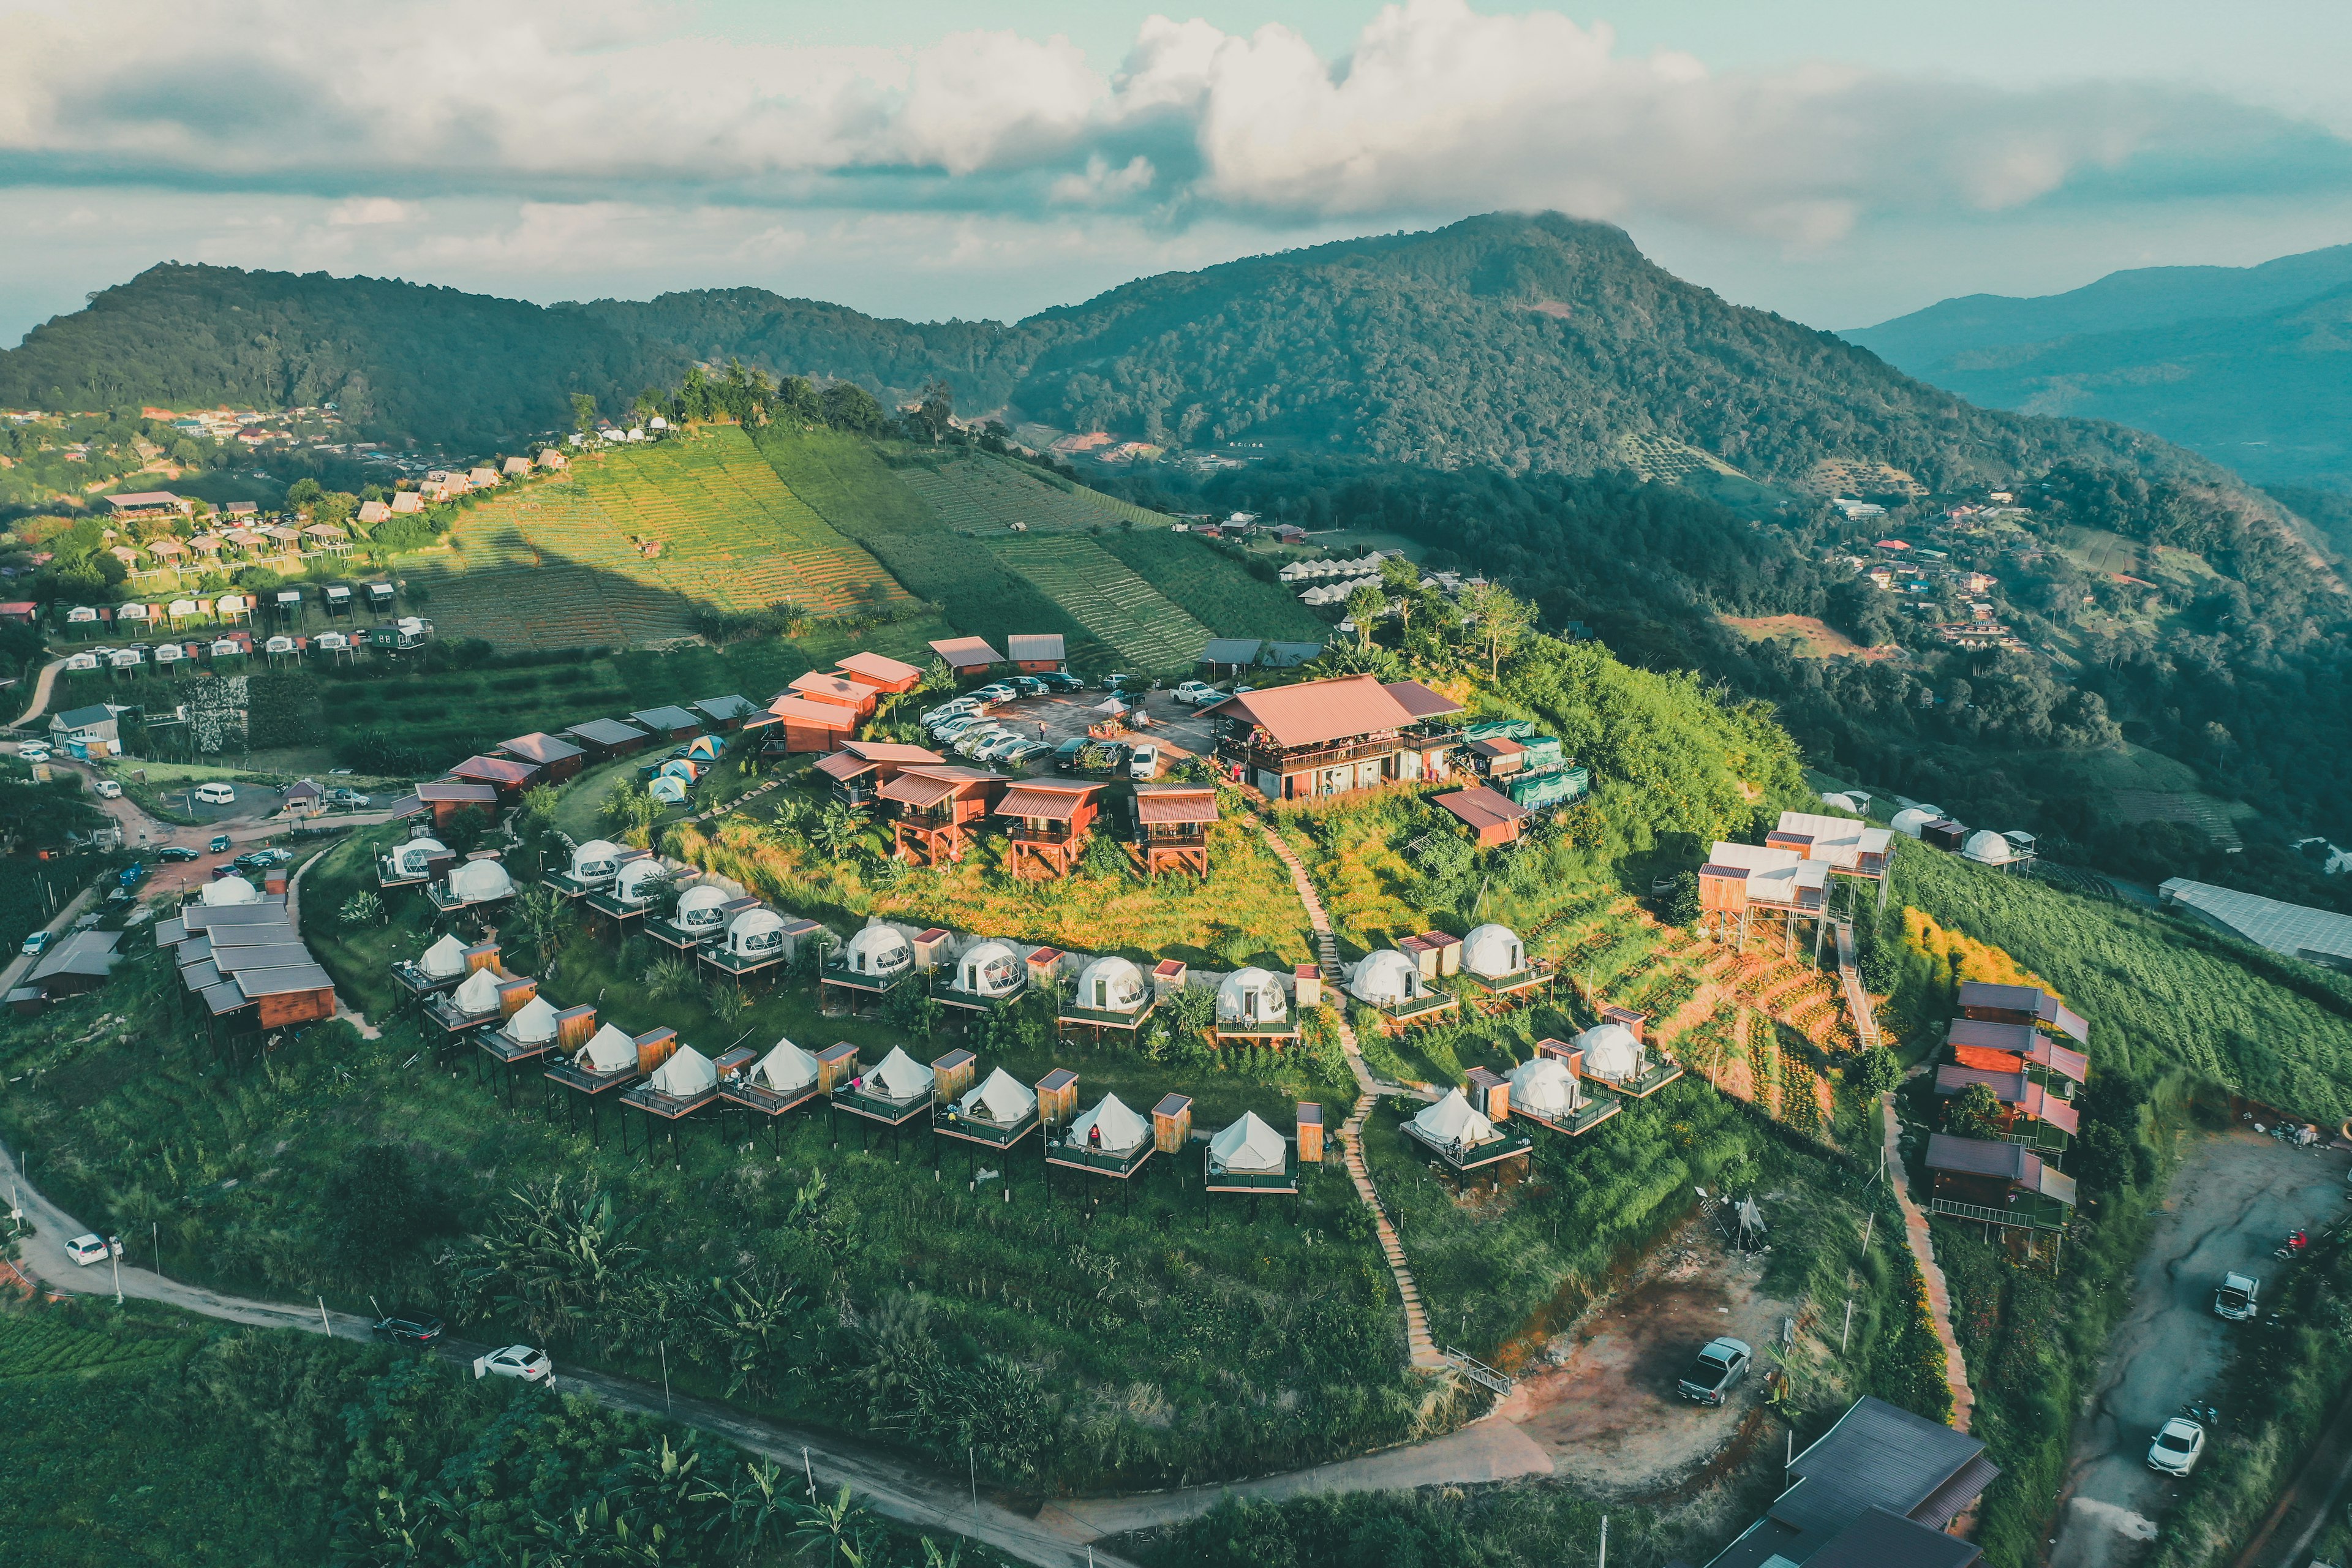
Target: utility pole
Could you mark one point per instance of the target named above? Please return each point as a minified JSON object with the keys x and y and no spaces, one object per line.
{"x":1849,"y":1325}
{"x":665,"y":1367}
{"x":1604,"y":1541}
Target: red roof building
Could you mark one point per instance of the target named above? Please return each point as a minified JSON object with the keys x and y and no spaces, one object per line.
{"x":1492,"y":818}
{"x":837,"y":690}
{"x":967,"y":656}
{"x":882,"y":673}
{"x":560,"y":759}
{"x":1051,"y":821}
{"x":861,"y":767}
{"x":794,"y":723}
{"x":934,"y":809}
{"x":1330,"y":737}
{"x":505,"y":775}
{"x":1172,"y":826}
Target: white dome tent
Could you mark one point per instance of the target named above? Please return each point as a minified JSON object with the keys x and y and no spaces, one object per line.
{"x":1249,"y":1148}
{"x":228,"y":891}
{"x":1109,"y":1128}
{"x":899,"y":1077}
{"x":480,"y":882}
{"x":1112,"y":984}
{"x":444,"y":960}
{"x":786,"y":1068}
{"x":416,"y":855}
{"x":878,"y":949}
{"x":1545,"y":1088}
{"x":1837,"y":800}
{"x":701,"y":910}
{"x":1001,"y":1099}
{"x":685,"y":1076}
{"x":1986,"y":847}
{"x":1494,"y":952}
{"x":639,"y":882}
{"x":479,"y":996}
{"x":1912,"y":818}
{"x":596,"y":862}
{"x":756,"y":934}
{"x":1249,"y":996}
{"x":1385,"y":979}
{"x":1610,"y":1053}
{"x":533,"y":1023}
{"x":989,"y":969}
{"x":610,"y":1050}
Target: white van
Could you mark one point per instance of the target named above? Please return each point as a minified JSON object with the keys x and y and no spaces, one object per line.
{"x":217,"y":793}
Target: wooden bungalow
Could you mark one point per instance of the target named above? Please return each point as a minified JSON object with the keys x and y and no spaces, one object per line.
{"x":1847,"y":847}
{"x":1992,"y":1003}
{"x":444,"y":799}
{"x":794,"y":724}
{"x":2034,"y":1117}
{"x":934,"y":808}
{"x":1741,"y":882}
{"x":1493,"y":819}
{"x":1999,"y":1183}
{"x":505,"y":775}
{"x":2018,"y":1048}
{"x":1051,"y":821}
{"x":967,"y":656}
{"x":889,"y":676}
{"x":725,"y":715}
{"x":1037,"y":654}
{"x":669,"y":722}
{"x":1172,"y":826}
{"x":861,"y":767}
{"x":557,"y":760}
{"x":1331,"y":737}
{"x":604,"y":738}
{"x":274,"y":998}
{"x":839,"y":691}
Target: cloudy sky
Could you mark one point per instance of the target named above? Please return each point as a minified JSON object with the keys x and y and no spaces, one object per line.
{"x":1841,"y":161}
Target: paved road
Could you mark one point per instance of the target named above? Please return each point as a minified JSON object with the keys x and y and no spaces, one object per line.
{"x":2230,"y":1201}
{"x":889,"y":1486}
{"x":42,"y":688}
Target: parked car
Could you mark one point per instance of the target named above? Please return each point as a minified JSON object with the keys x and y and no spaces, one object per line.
{"x":219,"y":843}
{"x":349,"y":797}
{"x":956,"y":729}
{"x":969,"y":743}
{"x":86,"y":1250}
{"x":2178,"y":1447}
{"x":108,"y":790}
{"x":263,"y":859}
{"x":177,"y":852}
{"x":1065,"y":755}
{"x":130,"y":875}
{"x":217,"y":793}
{"x":995,"y":691}
{"x":1143,"y":762}
{"x":1112,"y":682}
{"x":1025,"y":752}
{"x":410,"y":1326}
{"x":1027,"y":685}
{"x":1723,"y":1362}
{"x":954,"y":708}
{"x":1000,"y":748}
{"x":36,"y":944}
{"x":2238,"y":1297}
{"x":33,"y":753}
{"x":1198,"y":694}
{"x":515,"y":1361}
{"x":1059,"y":681}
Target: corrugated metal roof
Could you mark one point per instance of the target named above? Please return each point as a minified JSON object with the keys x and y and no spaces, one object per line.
{"x":225,"y":997}
{"x":891,"y":751}
{"x":496,"y":770}
{"x":2296,"y":930}
{"x":1877,"y":1455}
{"x":823,"y":715}
{"x":1978,"y":1157}
{"x":1481,"y":807}
{"x":1315,"y":712}
{"x":537,"y":747}
{"x":259,"y":983}
{"x":278,"y":955}
{"x":843,"y":765}
{"x":1034,"y":647}
{"x":1175,"y":805}
{"x":832,"y":688}
{"x":1957,"y":1495}
{"x":966,"y":653}
{"x":607,"y":731}
{"x":731,"y":706}
{"x":922,"y":787}
{"x":1045,"y":801}
{"x":1231,"y":650}
{"x":461,"y":791}
{"x":1881,"y":1539}
{"x":881,"y":667}
{"x":2016,"y":1039}
{"x":1419,"y":701}
{"x":2009,"y":1087}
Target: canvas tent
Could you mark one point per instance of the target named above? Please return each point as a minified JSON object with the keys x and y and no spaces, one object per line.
{"x":1123,"y":1132}
{"x":444,"y":960}
{"x":228,"y":891}
{"x":1249,"y":1146}
{"x":533,"y":1023}
{"x":786,"y":1068}
{"x":479,"y":881}
{"x":478,"y":995}
{"x":899,"y":1077}
{"x":1452,"y":1124}
{"x":686,"y":1074}
{"x":1002,"y":1098}
{"x":610,"y":1050}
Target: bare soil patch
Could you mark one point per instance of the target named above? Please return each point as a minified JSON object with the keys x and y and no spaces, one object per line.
{"x":1816,"y":638}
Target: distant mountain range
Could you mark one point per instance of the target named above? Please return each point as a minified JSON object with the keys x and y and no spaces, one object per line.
{"x":2251,"y":366}
{"x":1525,"y":343}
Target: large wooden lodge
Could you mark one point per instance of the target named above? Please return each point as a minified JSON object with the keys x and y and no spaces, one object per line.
{"x":1331,"y":737}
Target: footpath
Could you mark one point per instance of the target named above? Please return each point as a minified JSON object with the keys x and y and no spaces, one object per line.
{"x":1939,"y":1294}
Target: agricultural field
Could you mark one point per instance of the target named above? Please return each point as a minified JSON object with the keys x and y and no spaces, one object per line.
{"x":1103,"y":596}
{"x":1213,"y":589}
{"x":621,"y":549}
{"x":968,"y":489}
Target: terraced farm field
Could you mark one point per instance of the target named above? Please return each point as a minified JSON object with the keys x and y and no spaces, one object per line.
{"x":619,"y":551}
{"x":988,"y":495}
{"x":1215,"y":590}
{"x":1105,"y":595}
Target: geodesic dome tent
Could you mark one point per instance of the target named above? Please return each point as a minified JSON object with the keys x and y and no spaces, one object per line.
{"x":1544,"y":1086}
{"x":410,"y":859}
{"x":595,"y":861}
{"x":1249,"y":1146}
{"x":900,"y":1076}
{"x":1492,"y":952}
{"x":1912,"y":818}
{"x":1112,"y":984}
{"x":610,"y":1049}
{"x":1611,"y":1052}
{"x":1123,"y":1132}
{"x":686,"y":1074}
{"x":444,"y":960}
{"x":989,"y":969}
{"x":701,"y":908}
{"x":878,"y":949}
{"x":1001,"y":1098}
{"x":755,"y":933}
{"x":1836,"y":801}
{"x":639,"y":881}
{"x":480,"y":882}
{"x":1386,"y":978}
{"x":1986,"y":847}
{"x":1452,"y":1122}
{"x":533,"y":1023}
{"x":1251,"y":995}
{"x":786,"y":1068}
{"x":227,"y":891}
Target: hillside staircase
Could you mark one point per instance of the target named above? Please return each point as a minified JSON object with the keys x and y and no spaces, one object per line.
{"x":1857,"y":999}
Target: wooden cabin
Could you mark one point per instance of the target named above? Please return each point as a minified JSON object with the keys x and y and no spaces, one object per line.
{"x":1057,"y":1099}
{"x":1051,"y":821}
{"x":1495,"y":756}
{"x":2018,"y":1048}
{"x":935,"y":809}
{"x":446,"y":798}
{"x":967,"y":656}
{"x":885,"y":675}
{"x":861,"y":767}
{"x":1493,"y":819}
{"x":1172,"y":826}
{"x":725,"y":715}
{"x":1843,"y":843}
{"x":1330,"y":737}
{"x":1742,"y":881}
{"x":1038,"y":654}
{"x":1311,"y":1133}
{"x":604,"y":738}
{"x":504,"y":775}
{"x":794,"y":724}
{"x":1997,"y":1182}
{"x":668,"y":723}
{"x":838,"y":690}
{"x":556,"y":759}
{"x":2044,"y":1119}
{"x":1992,"y":1003}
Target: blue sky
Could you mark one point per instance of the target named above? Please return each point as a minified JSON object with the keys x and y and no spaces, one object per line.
{"x":1835,"y":160}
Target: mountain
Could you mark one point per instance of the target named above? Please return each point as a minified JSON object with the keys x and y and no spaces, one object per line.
{"x":1531,"y":343}
{"x":2246,"y":365}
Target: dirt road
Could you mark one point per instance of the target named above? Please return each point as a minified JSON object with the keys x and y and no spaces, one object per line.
{"x":2231,"y":1199}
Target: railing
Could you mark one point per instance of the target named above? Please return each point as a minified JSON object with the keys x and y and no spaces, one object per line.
{"x":979,"y":1130}
{"x":1156,"y":837}
{"x":1857,"y":1000}
{"x":1050,"y":835}
{"x":881,"y":1107}
{"x":1276,"y":760}
{"x":1479,"y":1373}
{"x":1583,"y":1120}
{"x":2034,"y":1217}
{"x":1283,"y":1181}
{"x":1078,"y":1154}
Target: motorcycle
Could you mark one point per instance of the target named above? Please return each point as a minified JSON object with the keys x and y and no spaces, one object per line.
{"x":2296,"y":1244}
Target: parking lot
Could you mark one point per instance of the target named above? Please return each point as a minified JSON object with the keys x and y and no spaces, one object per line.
{"x":1178,"y":730}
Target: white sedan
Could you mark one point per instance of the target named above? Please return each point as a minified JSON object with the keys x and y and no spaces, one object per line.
{"x":86,"y":1250}
{"x":2178,"y":1447}
{"x":109,"y":790}
{"x":516,"y":1360}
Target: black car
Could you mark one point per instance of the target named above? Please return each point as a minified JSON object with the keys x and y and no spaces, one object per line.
{"x":1065,"y":755}
{"x":1723,"y":1362}
{"x":1059,"y":681}
{"x":409,"y":1326}
{"x":1027,"y":685}
{"x":173,"y":852}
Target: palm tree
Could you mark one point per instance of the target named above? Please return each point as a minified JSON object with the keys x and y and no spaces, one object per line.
{"x":836,"y":832}
{"x":758,"y":1509}
{"x":1366,"y":605}
{"x":538,"y":920}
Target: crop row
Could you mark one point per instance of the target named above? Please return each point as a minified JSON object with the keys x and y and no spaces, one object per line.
{"x":1107,"y":599}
